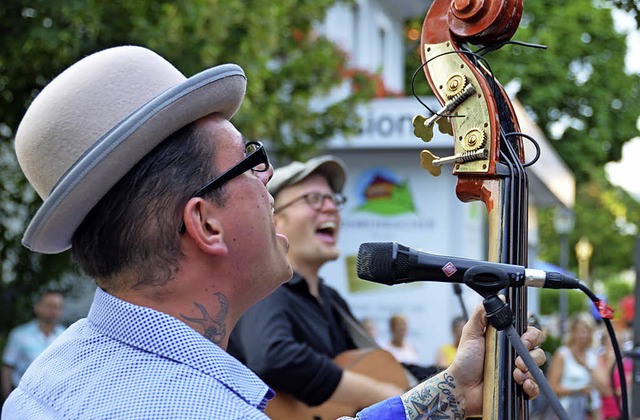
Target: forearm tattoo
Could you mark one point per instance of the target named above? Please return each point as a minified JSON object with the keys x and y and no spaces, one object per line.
{"x":434,"y":399}
{"x":214,"y":328}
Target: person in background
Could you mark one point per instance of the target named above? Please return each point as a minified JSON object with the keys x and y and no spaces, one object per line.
{"x":370,"y":327}
{"x":164,"y":203}
{"x":447,"y":352}
{"x":27,"y":341}
{"x":573,"y":369}
{"x":398,"y":345}
{"x":608,"y":375}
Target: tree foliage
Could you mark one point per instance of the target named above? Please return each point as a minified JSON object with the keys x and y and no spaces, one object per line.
{"x":608,"y":217}
{"x":576,"y":90}
{"x":630,"y":6}
{"x":289,"y":67}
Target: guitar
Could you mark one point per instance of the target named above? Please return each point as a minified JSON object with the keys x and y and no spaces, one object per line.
{"x":375,"y":363}
{"x":488,"y":156}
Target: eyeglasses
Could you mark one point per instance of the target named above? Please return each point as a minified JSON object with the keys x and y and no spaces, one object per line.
{"x":316,"y":201}
{"x":256,"y":159}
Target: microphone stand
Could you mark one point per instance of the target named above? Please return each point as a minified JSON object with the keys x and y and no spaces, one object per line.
{"x":457,"y":289}
{"x":488,"y":281}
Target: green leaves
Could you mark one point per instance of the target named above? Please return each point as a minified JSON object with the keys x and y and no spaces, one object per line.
{"x":577,"y":89}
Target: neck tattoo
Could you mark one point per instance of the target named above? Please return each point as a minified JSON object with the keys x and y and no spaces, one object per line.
{"x":214,"y":328}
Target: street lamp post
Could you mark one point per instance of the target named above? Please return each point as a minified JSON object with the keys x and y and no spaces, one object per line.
{"x":563,"y":223}
{"x":584,"y":250}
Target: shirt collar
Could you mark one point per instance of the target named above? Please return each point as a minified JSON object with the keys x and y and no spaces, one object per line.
{"x":297,"y":282}
{"x":171,"y":338}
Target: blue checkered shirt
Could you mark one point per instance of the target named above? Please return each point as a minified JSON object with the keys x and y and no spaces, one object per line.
{"x":130,"y":362}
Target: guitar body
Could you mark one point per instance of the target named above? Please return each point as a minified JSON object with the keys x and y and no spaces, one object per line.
{"x":377,"y":364}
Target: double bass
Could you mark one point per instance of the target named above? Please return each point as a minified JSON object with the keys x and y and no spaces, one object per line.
{"x":488,"y":158}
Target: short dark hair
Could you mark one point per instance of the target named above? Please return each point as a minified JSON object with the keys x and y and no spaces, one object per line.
{"x":458,"y":320}
{"x":47,"y":291}
{"x":135,"y":225}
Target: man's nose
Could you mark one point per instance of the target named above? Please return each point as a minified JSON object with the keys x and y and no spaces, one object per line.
{"x":266,"y":176}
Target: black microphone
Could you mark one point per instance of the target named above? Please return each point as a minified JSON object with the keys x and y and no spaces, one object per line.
{"x":391,"y":263}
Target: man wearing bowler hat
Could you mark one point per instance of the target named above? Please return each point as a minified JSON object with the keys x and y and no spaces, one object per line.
{"x":164,"y":203}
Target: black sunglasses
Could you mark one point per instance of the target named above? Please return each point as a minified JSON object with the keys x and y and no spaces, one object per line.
{"x":256,"y":159}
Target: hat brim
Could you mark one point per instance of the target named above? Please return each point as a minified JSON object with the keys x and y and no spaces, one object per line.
{"x":330,"y":167}
{"x":216,"y":90}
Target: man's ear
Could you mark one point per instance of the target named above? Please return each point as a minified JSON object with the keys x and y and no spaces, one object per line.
{"x":203,"y":226}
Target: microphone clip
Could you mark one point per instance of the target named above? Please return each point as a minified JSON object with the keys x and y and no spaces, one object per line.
{"x":488,"y":281}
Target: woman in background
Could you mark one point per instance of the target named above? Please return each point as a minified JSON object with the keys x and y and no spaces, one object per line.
{"x":608,"y":372}
{"x":573,"y":374}
{"x":401,"y":349}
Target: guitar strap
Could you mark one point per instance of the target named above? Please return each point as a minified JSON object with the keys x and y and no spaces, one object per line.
{"x":359,"y":335}
{"x":362,"y":339}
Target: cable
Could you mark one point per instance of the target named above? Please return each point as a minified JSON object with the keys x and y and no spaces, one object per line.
{"x":605,"y":313}
{"x":535,"y":144}
{"x":501,"y":317}
{"x":536,"y":372}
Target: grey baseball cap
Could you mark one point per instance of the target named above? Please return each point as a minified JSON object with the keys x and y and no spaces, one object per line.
{"x":332,"y":168}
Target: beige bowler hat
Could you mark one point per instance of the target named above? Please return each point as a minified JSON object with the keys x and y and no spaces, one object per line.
{"x":97,"y":119}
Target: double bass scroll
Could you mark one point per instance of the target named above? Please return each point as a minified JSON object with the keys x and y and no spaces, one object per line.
{"x":487,"y":159}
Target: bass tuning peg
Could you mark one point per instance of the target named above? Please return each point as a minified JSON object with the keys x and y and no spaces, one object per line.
{"x":433,"y":163}
{"x":423,"y":127}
